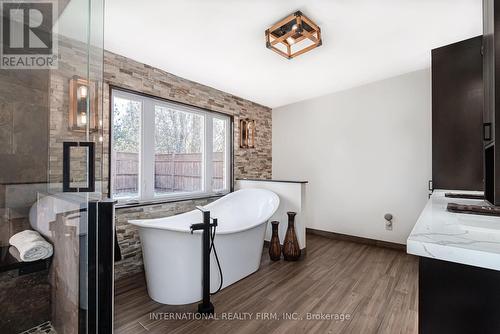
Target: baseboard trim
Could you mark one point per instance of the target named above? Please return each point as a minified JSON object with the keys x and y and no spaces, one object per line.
{"x":359,"y":240}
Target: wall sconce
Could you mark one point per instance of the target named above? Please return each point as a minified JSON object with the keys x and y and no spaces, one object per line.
{"x":247,"y":133}
{"x":82,"y":105}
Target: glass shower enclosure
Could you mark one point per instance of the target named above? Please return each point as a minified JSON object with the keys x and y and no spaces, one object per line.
{"x":52,"y":168}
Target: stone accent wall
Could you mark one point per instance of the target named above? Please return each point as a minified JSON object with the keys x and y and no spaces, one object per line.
{"x":73,"y":60}
{"x":126,"y":73}
{"x":253,"y":163}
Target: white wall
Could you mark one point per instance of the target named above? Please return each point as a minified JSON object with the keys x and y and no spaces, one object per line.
{"x":292,"y":198}
{"x":365,"y":152}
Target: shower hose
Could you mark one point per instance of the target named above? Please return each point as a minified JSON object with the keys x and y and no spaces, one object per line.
{"x":218,"y":263}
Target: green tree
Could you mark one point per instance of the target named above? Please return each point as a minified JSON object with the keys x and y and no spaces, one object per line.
{"x":177,"y":131}
{"x":126,"y":125}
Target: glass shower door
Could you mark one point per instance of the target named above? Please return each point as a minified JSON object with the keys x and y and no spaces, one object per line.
{"x":51,"y":168}
{"x":75,"y":169}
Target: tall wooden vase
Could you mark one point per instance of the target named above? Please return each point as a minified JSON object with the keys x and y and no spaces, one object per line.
{"x":291,"y":249}
{"x":274,"y":245}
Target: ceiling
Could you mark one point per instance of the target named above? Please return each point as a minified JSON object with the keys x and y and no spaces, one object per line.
{"x":222,"y":44}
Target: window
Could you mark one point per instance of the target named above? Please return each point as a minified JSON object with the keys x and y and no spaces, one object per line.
{"x":126,"y":146}
{"x":164,"y":150}
{"x":219,"y":153}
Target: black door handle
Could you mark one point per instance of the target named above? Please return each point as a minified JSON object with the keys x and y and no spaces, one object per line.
{"x":67,"y":167}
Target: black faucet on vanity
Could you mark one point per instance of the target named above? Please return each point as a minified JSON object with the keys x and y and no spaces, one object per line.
{"x":205,"y":307}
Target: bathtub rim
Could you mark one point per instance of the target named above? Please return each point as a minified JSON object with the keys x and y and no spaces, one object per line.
{"x":159,"y":223}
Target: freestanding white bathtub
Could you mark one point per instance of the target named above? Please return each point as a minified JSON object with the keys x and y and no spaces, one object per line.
{"x":172,"y":255}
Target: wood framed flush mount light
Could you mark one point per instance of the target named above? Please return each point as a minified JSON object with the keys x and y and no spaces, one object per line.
{"x":294,"y":35}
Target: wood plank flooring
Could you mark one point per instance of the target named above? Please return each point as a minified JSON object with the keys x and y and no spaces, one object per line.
{"x":376,"y":287}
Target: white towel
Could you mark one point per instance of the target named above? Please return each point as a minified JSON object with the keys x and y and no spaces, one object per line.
{"x":15,"y":253}
{"x":31,"y":246}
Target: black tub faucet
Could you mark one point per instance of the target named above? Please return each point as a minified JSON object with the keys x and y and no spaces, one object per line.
{"x":205,"y":307}
{"x":201,"y":226}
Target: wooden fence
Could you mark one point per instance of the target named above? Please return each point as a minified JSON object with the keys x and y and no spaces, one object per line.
{"x":173,"y":172}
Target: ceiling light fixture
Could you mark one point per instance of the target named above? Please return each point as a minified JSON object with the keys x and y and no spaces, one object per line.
{"x":294,"y":35}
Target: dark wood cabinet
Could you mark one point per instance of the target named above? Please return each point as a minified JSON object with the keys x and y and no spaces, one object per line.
{"x":491,"y":128}
{"x":489,"y":71}
{"x":457,"y":116}
{"x":457,"y":299}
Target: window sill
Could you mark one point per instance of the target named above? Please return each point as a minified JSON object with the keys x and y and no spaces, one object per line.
{"x":134,"y":204}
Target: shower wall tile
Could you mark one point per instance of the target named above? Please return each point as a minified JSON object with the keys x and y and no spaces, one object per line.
{"x":6,"y":127}
{"x":23,"y":126}
{"x":25,"y":115}
{"x":32,"y":295}
{"x":2,"y":195}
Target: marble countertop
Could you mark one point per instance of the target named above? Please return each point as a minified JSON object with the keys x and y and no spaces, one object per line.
{"x":272,"y":180}
{"x":462,"y":238}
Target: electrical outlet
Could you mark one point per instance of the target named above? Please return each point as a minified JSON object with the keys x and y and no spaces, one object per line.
{"x":388,"y":221}
{"x":388,"y":225}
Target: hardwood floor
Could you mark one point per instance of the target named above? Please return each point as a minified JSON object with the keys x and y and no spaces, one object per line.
{"x":376,"y":287}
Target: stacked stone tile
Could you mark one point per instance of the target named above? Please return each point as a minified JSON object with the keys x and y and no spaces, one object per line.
{"x":252,"y":163}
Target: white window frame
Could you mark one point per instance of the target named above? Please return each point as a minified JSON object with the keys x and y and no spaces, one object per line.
{"x":147,"y":150}
{"x":131,"y":97}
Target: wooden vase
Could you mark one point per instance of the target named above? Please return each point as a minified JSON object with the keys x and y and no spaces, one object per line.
{"x":291,"y":249}
{"x":274,"y":246}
